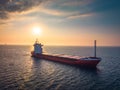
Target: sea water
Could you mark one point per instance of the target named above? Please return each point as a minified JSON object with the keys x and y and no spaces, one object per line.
{"x":20,"y":71}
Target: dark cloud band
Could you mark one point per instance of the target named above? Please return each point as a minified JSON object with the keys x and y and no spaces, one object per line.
{"x":8,"y":6}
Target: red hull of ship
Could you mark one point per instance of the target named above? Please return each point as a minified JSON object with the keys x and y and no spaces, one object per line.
{"x":71,"y":61}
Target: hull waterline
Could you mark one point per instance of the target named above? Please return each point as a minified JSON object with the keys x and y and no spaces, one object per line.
{"x":67,"y":60}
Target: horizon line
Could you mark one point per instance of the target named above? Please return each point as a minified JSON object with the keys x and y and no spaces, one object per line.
{"x":60,"y":45}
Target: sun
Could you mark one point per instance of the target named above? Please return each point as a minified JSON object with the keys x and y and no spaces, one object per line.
{"x":37,"y":30}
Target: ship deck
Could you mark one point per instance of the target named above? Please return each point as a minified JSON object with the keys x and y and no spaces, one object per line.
{"x":73,"y":57}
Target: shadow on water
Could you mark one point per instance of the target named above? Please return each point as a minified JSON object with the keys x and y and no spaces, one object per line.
{"x":87,"y":68}
{"x":36,"y":60}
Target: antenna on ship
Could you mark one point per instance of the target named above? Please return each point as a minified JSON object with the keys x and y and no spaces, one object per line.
{"x":36,"y":41}
{"x":94,"y":48}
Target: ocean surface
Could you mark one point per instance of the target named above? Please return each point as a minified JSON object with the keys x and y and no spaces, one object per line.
{"x":20,"y":71}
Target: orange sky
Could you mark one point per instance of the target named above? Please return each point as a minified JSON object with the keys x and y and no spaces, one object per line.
{"x":50,"y":36}
{"x":61,"y":22}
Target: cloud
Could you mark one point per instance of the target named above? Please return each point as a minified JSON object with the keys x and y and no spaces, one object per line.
{"x":3,"y":15}
{"x":77,"y":3}
{"x":81,"y":16}
{"x":70,"y":9}
{"x":2,"y":23}
{"x":11,"y":6}
{"x":67,"y":8}
{"x":56,"y":12}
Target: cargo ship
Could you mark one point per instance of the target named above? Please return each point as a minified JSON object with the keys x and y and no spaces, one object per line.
{"x":67,"y":59}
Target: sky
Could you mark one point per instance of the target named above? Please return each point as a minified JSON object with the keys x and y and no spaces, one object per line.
{"x":62,"y":22}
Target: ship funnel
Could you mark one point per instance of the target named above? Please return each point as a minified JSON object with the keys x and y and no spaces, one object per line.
{"x":94,"y":48}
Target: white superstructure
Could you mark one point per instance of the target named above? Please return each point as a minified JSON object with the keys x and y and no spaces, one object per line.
{"x":37,"y":47}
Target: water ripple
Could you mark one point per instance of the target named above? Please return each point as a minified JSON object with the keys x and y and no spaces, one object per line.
{"x":19,"y":71}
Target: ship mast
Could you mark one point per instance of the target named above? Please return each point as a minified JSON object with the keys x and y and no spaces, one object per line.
{"x":94,"y":48}
{"x":36,"y":41}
